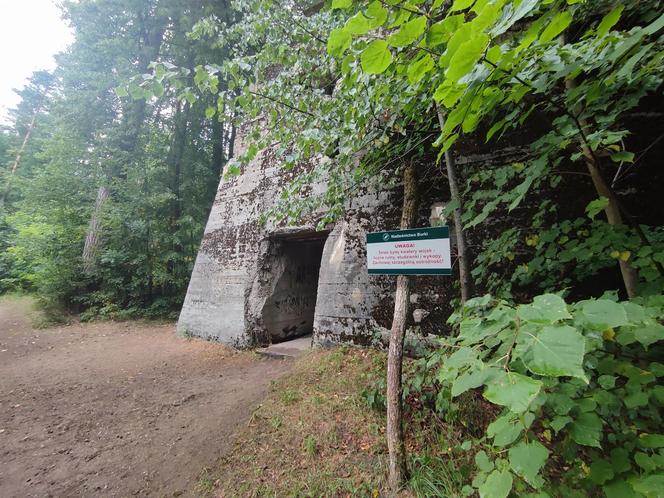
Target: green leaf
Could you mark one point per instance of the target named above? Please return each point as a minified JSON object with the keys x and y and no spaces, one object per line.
{"x":649,"y":334}
{"x":645,"y":462}
{"x":620,"y":460}
{"x":521,"y":190}
{"x":482,"y":461}
{"x":619,"y":489}
{"x":561,"y":403}
{"x":594,"y":207}
{"x":651,"y":440}
{"x":121,"y":91}
{"x":341,"y":4}
{"x":495,"y":129}
{"x":622,"y":156}
{"x":136,"y":91}
{"x":461,"y":358}
{"x":471,"y":380}
{"x":603,"y":314}
{"x":636,"y":399}
{"x":587,"y":430}
{"x":657,"y":369}
{"x":487,"y":16}
{"x":607,"y":381}
{"x":497,"y":485}
{"x":419,"y":68}
{"x":357,"y":25}
{"x":513,"y":390}
{"x":560,"y":421}
{"x":376,"y":57}
{"x":504,"y":430}
{"x":448,"y":93}
{"x":376,"y":14}
{"x":157,"y":89}
{"x":547,"y":308}
{"x":338,"y":42}
{"x":526,"y":460}
{"x":449,"y":142}
{"x":467,"y":55}
{"x":474,"y":330}
{"x":458,"y":38}
{"x":408,"y":33}
{"x":651,"y":486}
{"x":461,"y":4}
{"x":210,"y":112}
{"x":654,"y":26}
{"x":442,"y":31}
{"x":556,"y":26}
{"x":609,"y":20}
{"x":557,"y":351}
{"x":601,"y":471}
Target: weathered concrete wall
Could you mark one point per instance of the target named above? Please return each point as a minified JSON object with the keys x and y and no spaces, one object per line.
{"x":215,"y":303}
{"x":347,"y":295}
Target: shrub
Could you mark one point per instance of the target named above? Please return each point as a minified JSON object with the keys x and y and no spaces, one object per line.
{"x":580,"y":405}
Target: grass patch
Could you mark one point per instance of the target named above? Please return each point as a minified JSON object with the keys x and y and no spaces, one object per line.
{"x":314,"y":435}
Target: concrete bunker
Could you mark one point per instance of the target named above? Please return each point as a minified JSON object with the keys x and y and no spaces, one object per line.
{"x":258,"y":283}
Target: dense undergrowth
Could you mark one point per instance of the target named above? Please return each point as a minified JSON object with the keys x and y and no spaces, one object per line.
{"x":550,"y":399}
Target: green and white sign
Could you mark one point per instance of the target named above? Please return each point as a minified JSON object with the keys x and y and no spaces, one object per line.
{"x":420,"y":251}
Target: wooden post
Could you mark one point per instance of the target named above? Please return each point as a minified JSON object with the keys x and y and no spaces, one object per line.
{"x":397,"y":470}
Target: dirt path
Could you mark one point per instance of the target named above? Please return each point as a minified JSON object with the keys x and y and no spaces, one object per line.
{"x":116,"y":409}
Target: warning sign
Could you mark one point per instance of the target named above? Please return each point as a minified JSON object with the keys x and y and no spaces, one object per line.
{"x":420,"y":251}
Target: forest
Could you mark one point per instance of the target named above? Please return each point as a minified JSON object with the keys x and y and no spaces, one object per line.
{"x":104,"y":199}
{"x":112,"y":162}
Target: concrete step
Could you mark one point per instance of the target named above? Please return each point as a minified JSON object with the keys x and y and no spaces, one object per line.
{"x":287,"y":349}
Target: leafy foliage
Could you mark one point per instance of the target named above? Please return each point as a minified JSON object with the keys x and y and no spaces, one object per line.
{"x":567,"y":378}
{"x":159,"y":160}
{"x":573,"y":396}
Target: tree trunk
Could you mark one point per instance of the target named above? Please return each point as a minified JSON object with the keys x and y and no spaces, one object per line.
{"x":218,"y":148}
{"x":17,"y":161}
{"x":465,"y":278}
{"x":218,"y":160}
{"x":231,"y":141}
{"x":612,"y":210}
{"x":398,"y":471}
{"x":92,"y":238}
{"x":127,"y":140}
{"x":175,"y":156}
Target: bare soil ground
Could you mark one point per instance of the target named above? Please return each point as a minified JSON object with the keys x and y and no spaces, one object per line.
{"x":117,"y":409}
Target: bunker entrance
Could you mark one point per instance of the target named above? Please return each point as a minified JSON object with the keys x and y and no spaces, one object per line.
{"x":289,"y":310}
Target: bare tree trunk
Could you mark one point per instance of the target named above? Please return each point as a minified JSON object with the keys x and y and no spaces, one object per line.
{"x":398,"y":471}
{"x":133,"y":119}
{"x":612,"y":209}
{"x":92,"y":238}
{"x":231,"y":141}
{"x":17,"y":161}
{"x":465,"y":278}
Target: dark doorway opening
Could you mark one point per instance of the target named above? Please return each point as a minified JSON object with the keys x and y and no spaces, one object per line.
{"x":289,"y":310}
